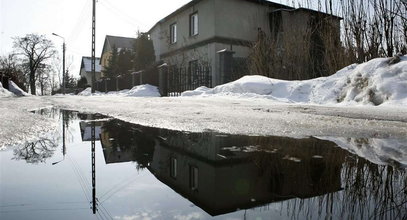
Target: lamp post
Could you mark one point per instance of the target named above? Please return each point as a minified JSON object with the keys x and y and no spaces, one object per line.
{"x":63,"y":62}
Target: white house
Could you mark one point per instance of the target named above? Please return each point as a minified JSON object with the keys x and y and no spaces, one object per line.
{"x":86,"y":69}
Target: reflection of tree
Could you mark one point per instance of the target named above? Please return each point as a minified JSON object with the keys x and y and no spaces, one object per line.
{"x":129,"y":139}
{"x":371,"y":191}
{"x":36,"y":152}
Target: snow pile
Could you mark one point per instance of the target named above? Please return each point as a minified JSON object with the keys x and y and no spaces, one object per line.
{"x":372,"y":83}
{"x":144,"y":91}
{"x":17,"y":90}
{"x":4,"y":92}
{"x":88,"y":92}
{"x":137,"y":91}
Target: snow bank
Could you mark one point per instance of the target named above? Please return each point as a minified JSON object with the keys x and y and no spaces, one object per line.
{"x":137,"y":91}
{"x":144,"y":91}
{"x":4,"y":92}
{"x":372,"y":83}
{"x":88,"y":92}
{"x":17,"y":90}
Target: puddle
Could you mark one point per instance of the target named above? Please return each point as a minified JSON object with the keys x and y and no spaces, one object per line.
{"x":148,"y":173}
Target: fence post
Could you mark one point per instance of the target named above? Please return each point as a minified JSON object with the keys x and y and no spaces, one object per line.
{"x":133,"y":79}
{"x":163,"y":79}
{"x":225,"y":65}
{"x":105,"y":85}
{"x":117,"y":83}
{"x":141,"y":77}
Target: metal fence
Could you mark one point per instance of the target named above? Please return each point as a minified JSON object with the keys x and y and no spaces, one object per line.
{"x":180,"y":79}
{"x":171,"y":80}
{"x":128,"y":81}
{"x":240,"y":68}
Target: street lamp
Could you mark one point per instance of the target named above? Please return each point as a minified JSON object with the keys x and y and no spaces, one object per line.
{"x":63,"y":62}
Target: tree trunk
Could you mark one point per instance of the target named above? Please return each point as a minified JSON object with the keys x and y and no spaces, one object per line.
{"x":32,"y":82}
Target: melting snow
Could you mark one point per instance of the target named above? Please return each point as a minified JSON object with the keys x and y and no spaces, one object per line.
{"x":137,"y":91}
{"x":372,"y":83}
{"x":17,"y":90}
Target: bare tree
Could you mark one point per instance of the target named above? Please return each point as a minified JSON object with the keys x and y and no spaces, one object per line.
{"x":36,"y":50}
{"x":44,"y":78}
{"x":12,"y":68}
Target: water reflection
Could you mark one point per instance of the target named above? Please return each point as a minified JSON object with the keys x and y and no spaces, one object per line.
{"x":260,"y":176}
{"x":36,"y":152}
{"x":225,"y":173}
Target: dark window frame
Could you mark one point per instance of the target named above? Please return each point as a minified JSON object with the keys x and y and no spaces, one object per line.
{"x":173,"y":167}
{"x":193,"y":177}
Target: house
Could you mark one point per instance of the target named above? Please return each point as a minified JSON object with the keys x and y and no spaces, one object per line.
{"x":111,"y":42}
{"x":194,"y":33}
{"x":86,"y":69}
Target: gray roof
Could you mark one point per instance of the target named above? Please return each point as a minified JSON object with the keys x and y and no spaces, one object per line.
{"x":119,"y":42}
{"x":87,"y":64}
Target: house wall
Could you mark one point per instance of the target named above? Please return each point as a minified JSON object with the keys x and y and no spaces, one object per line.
{"x":161,"y":33}
{"x":88,"y":76}
{"x":239,"y":19}
{"x":104,"y":60}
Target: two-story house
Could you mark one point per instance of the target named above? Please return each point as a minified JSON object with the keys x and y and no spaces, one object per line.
{"x":111,"y":42}
{"x":194,"y":33}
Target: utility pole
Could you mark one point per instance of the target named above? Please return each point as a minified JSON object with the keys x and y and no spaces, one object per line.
{"x":93,"y":122}
{"x":63,"y":62}
{"x":93,"y":44}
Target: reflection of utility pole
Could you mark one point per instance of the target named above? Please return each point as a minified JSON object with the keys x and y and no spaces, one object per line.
{"x":93,"y":167}
{"x":63,"y":133}
{"x":63,"y":138}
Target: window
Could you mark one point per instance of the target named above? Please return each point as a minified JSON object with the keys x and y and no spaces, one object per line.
{"x":193,"y":24}
{"x":173,"y":33}
{"x":173,"y":167}
{"x":193,"y":177}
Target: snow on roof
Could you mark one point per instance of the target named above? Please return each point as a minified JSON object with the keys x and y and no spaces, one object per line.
{"x":87,"y":64}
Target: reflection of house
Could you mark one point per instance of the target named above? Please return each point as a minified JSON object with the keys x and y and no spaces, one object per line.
{"x":111,"y":42}
{"x":242,"y":179}
{"x":86,"y":69}
{"x":86,"y":130}
{"x":221,"y":173}
{"x":121,"y":142}
{"x":198,"y":30}
{"x":86,"y":125}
